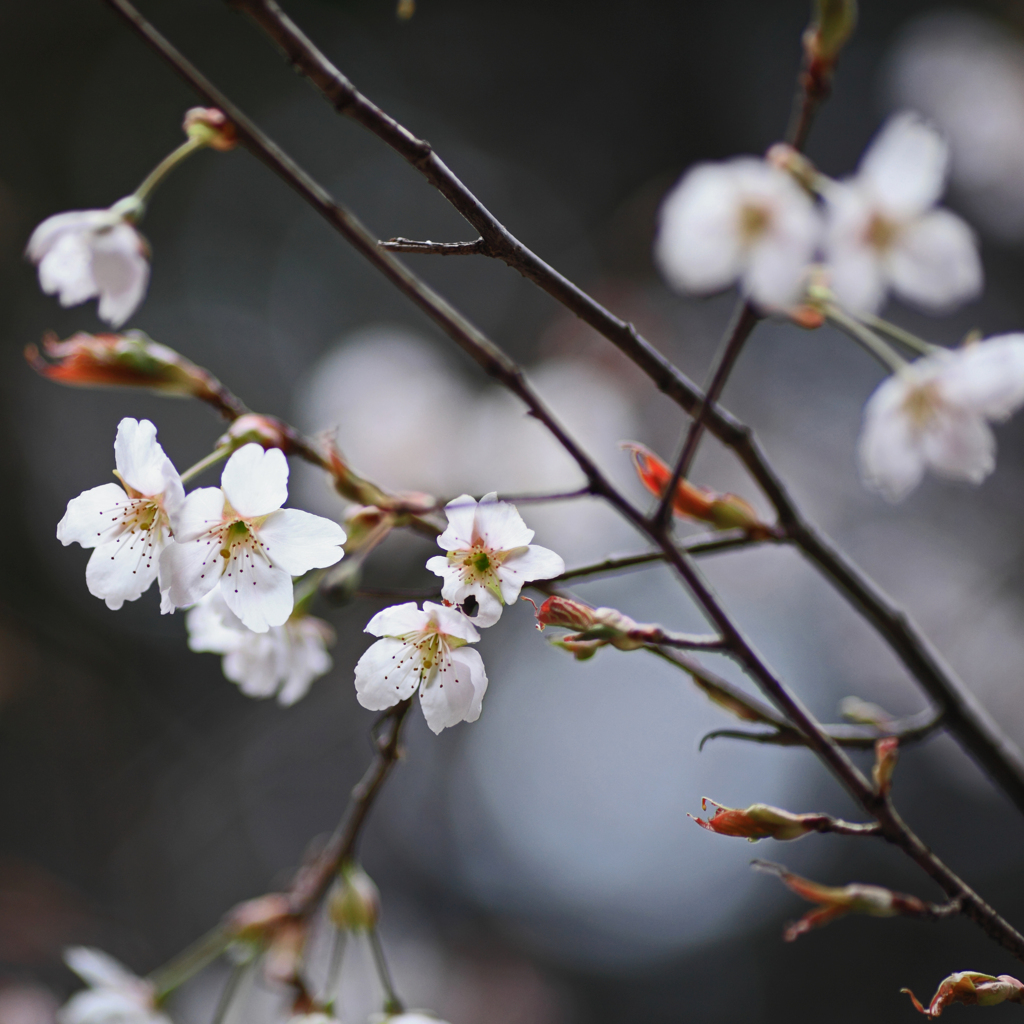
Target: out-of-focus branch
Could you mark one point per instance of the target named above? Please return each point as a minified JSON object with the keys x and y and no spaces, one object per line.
{"x":965,"y":718}
{"x":436,"y":248}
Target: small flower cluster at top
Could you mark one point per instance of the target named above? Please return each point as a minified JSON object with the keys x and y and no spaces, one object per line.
{"x":228,"y":552}
{"x":764,"y":223}
{"x":489,"y":559}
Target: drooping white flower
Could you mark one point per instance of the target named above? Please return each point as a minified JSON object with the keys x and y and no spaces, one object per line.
{"x":238,"y":536}
{"x":283,"y":661}
{"x":425,"y":650}
{"x":86,"y":254}
{"x":489,"y":556}
{"x":884,"y":232}
{"x":743,"y":220}
{"x":129,"y":524}
{"x":934,"y":414}
{"x":115,"y":995}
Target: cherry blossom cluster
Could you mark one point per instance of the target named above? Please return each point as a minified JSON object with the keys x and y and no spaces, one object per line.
{"x":798,"y":242}
{"x":489,"y":559}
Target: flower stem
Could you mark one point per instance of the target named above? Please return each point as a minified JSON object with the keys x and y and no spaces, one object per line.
{"x":866,"y":338}
{"x":334,"y":971}
{"x":189,"y":962}
{"x":211,"y":460}
{"x":392,"y":1004}
{"x":162,"y":169}
{"x":228,"y":993}
{"x":912,"y":341}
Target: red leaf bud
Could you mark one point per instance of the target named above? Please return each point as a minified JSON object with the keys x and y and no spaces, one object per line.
{"x":972,"y":989}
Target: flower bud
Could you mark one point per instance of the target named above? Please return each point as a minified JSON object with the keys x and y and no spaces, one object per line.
{"x":833,"y":24}
{"x":120,"y":360}
{"x":887,"y":752}
{"x":758,"y":821}
{"x":973,"y":989}
{"x":853,"y":709}
{"x":283,"y":957}
{"x":565,"y":612}
{"x":211,"y":127}
{"x":353,"y":903}
{"x":267,"y":431}
{"x":581,"y":650}
{"x":255,"y":919}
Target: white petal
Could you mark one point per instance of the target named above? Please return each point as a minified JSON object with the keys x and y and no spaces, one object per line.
{"x":892,"y":461}
{"x":388,"y":672}
{"x":103,"y":1006}
{"x":532,"y":563}
{"x":500,"y":526}
{"x":120,"y":270}
{"x":451,"y":622}
{"x":440,"y":566}
{"x":856,"y":275}
{"x":142,"y":463}
{"x":961,"y":446}
{"x":94,"y":516}
{"x":256,"y":481}
{"x":123,"y":569}
{"x":987,"y":377}
{"x":259,"y":593}
{"x":191,"y":570}
{"x":461,"y":513}
{"x":698,"y":247}
{"x":934,"y":262}
{"x":905,"y":166}
{"x":307,"y":658}
{"x":200,"y":512}
{"x":66,"y":270}
{"x":398,"y":620}
{"x":298,"y":541}
{"x":212,"y":626}
{"x":256,"y":663}
{"x":97,"y":968}
{"x":76,"y":222}
{"x":455,"y":692}
{"x":777,"y":263}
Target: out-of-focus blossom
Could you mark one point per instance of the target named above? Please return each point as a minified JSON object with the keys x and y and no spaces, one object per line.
{"x":129,"y":524}
{"x":834,"y":902}
{"x":758,"y":821}
{"x":489,"y":556}
{"x":723,"y":511}
{"x":743,"y":220}
{"x":934,"y":414}
{"x":114,"y":996}
{"x":85,"y":254}
{"x":238,"y":536}
{"x":211,"y":127}
{"x":353,"y":902}
{"x":283,"y":661}
{"x":424,"y":650}
{"x":972,"y":989}
{"x":884,"y":232}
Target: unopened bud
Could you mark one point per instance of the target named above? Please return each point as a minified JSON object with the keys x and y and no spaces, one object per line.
{"x":211,"y":127}
{"x":565,"y":612}
{"x":581,"y":650}
{"x":283,"y":957}
{"x":256,"y":919}
{"x":758,"y":821}
{"x":833,"y":24}
{"x":973,"y":989}
{"x":887,"y":752}
{"x":267,"y":431}
{"x":853,"y":709}
{"x":120,"y":360}
{"x":353,"y":903}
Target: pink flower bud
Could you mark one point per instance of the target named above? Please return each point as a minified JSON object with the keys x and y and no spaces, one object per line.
{"x":211,"y":127}
{"x":267,"y":431}
{"x":758,"y":821}
{"x":972,"y":989}
{"x":887,"y":752}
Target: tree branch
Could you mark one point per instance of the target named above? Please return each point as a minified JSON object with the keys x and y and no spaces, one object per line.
{"x":436,"y":248}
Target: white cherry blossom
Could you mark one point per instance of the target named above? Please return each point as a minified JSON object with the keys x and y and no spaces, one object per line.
{"x":884,"y":232}
{"x":86,"y":254}
{"x":284,"y":661}
{"x":114,"y":996}
{"x":489,"y":556}
{"x":238,"y":536}
{"x":129,"y":524}
{"x":743,"y":220}
{"x":934,"y":414}
{"x":423,"y":650}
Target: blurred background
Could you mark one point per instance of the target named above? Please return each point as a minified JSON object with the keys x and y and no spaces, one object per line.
{"x":537,"y":866}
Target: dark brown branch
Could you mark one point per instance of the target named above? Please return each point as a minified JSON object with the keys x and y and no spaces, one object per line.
{"x":435,"y":248}
{"x":497,"y":365}
{"x":965,"y":717}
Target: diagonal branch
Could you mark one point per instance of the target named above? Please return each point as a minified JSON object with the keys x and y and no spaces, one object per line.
{"x":435,"y":248}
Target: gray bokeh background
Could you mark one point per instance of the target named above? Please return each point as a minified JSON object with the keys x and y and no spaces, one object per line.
{"x":537,"y":866}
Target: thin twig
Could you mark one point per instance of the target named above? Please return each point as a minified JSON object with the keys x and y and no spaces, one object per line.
{"x":435,"y":248}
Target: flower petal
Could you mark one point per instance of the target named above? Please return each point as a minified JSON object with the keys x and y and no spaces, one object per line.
{"x":960,"y":446}
{"x":987,"y":377}
{"x":934,"y":262}
{"x":94,"y":516}
{"x":124,"y":568}
{"x":66,"y":271}
{"x":500,"y":526}
{"x":461,"y":513}
{"x":398,"y":620}
{"x":388,"y":672}
{"x":905,"y":166}
{"x":198,"y":514}
{"x":189,"y":571}
{"x":451,"y":622}
{"x":892,"y":461}
{"x":455,"y":692}
{"x":259,"y":593}
{"x":96,"y":968}
{"x":855,"y":269}
{"x":256,"y":481}
{"x":120,"y":271}
{"x":212,"y":626}
{"x":525,"y":565}
{"x":142,"y":463}
{"x":298,"y":541}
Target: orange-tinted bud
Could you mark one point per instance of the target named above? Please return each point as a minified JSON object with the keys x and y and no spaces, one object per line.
{"x":565,"y":612}
{"x":211,"y":127}
{"x":972,"y":989}
{"x":887,"y":752}
{"x":267,"y":431}
{"x":257,"y":919}
{"x":120,"y":360}
{"x":354,"y":901}
{"x":758,"y":821}
{"x":723,"y":511}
